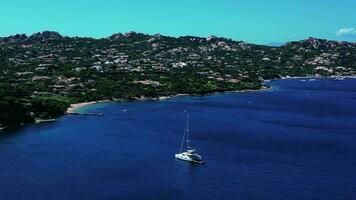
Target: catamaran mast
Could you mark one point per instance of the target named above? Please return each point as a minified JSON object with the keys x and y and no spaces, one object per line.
{"x":187,"y":131}
{"x":185,"y":137}
{"x":181,"y":145}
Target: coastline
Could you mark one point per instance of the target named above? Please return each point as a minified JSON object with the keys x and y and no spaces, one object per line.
{"x":39,"y":120}
{"x":74,"y":107}
{"x":314,"y":76}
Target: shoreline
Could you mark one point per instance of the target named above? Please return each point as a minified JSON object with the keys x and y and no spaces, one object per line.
{"x":315,"y":76}
{"x":74,"y":107}
{"x":39,"y":120}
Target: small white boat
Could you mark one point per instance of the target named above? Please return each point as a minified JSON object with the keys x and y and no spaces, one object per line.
{"x":189,"y":154}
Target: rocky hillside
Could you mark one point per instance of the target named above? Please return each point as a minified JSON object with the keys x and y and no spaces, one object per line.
{"x":52,"y":69}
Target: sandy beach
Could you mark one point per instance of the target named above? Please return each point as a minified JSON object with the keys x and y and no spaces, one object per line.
{"x":74,"y":107}
{"x":38,"y":120}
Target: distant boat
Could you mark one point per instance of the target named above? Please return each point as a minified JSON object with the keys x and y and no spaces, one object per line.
{"x":189,"y":154}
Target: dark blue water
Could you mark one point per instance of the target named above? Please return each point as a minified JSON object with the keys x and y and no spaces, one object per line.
{"x":297,"y":141}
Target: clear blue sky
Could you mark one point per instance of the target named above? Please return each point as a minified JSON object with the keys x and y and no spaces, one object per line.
{"x":258,"y":21}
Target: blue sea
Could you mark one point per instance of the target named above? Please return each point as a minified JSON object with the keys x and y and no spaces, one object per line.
{"x":295,"y":141}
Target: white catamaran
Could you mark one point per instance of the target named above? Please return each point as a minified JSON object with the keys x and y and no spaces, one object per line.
{"x":190,"y":154}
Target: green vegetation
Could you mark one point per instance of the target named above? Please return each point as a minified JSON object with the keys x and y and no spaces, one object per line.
{"x":18,"y":107}
{"x":42,"y":74}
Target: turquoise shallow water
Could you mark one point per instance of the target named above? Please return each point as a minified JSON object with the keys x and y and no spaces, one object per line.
{"x":297,"y":141}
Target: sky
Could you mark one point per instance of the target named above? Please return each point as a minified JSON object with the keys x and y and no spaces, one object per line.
{"x":255,"y":21}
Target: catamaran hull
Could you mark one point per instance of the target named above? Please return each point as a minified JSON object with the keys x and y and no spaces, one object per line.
{"x":187,"y":159}
{"x":190,"y":155}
